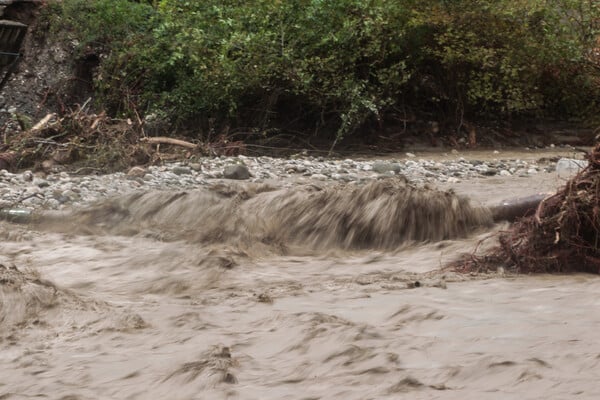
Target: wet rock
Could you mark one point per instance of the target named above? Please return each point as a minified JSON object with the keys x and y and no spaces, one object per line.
{"x":489,"y":172}
{"x":319,"y":177}
{"x":136,"y":172}
{"x":27,"y":176}
{"x":383,"y":167}
{"x":196,"y":167}
{"x":32,"y":201}
{"x":177,"y":170}
{"x":238,"y":171}
{"x":293,"y":168}
{"x":70,"y":194}
{"x":567,"y":167}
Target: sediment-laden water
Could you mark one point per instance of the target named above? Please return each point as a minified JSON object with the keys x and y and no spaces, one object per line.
{"x":257,"y":291}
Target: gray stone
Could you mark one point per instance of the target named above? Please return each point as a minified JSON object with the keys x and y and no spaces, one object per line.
{"x":136,"y":172}
{"x":32,"y":201}
{"x":489,"y":172}
{"x":41,"y":183}
{"x":27,"y":176}
{"x":69,"y":194}
{"x":238,"y":171}
{"x":196,"y":167}
{"x":383,"y":167}
{"x":567,"y":167}
{"x":319,"y":177}
{"x":181,"y":170}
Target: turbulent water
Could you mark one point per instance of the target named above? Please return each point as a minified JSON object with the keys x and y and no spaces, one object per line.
{"x":314,"y":292}
{"x":379,"y":215}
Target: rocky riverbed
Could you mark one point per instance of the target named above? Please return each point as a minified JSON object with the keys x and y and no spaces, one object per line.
{"x":33,"y":190}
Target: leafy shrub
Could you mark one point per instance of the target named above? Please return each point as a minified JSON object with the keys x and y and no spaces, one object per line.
{"x":337,"y":66}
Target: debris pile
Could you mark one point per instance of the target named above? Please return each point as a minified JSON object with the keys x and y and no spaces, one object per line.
{"x":562,"y":236}
{"x":89,"y":142}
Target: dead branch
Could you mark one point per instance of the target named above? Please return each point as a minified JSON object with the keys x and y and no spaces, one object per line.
{"x":42,"y":123}
{"x":167,"y":140}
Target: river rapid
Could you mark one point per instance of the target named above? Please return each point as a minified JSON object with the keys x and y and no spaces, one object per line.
{"x":266,"y":291}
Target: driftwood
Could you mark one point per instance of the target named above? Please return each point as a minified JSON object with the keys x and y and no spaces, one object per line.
{"x":42,"y":122}
{"x":167,"y":140}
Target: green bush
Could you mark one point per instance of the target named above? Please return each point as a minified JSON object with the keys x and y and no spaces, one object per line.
{"x":337,"y":66}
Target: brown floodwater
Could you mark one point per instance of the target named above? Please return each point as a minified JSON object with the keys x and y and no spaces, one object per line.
{"x":255,"y":292}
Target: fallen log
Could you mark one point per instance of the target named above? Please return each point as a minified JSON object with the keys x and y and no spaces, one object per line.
{"x":511,"y":210}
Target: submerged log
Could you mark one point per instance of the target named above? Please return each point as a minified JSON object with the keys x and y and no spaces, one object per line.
{"x":511,"y":210}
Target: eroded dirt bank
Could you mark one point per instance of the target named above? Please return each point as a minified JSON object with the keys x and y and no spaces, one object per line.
{"x":137,"y":316}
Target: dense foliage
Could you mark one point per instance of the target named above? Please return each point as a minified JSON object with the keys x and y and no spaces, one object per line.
{"x":337,"y":66}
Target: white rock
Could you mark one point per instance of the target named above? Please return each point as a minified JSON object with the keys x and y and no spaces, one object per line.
{"x":319,"y":177}
{"x":27,"y":176}
{"x":567,"y":167}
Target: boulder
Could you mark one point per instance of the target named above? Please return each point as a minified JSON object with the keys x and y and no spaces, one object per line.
{"x":238,"y":171}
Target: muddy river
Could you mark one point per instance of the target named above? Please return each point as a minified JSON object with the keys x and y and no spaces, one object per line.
{"x":254,"y":293}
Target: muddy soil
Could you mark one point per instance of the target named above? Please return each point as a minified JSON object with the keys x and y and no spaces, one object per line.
{"x":136,"y":315}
